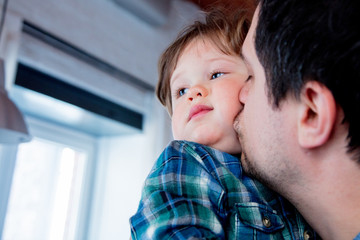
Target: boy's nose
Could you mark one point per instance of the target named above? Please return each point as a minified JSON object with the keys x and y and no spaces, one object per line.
{"x":197,"y":91}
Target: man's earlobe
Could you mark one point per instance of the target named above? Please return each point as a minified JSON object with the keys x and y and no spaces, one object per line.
{"x":317,"y":115}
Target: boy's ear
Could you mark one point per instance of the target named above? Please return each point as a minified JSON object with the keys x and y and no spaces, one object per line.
{"x":317,"y":115}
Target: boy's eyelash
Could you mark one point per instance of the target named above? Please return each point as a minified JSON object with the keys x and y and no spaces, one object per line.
{"x":216,"y":72}
{"x":176,"y":94}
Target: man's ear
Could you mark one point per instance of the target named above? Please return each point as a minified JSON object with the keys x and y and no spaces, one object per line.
{"x":317,"y":115}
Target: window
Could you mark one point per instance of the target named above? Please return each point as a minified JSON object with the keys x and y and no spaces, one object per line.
{"x":47,"y":194}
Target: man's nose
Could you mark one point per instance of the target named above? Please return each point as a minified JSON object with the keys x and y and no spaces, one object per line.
{"x":197,"y":91}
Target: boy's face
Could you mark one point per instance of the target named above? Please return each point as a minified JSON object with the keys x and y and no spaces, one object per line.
{"x":205,"y":87}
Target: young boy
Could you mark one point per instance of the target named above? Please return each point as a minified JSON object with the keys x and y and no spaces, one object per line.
{"x":197,"y":188}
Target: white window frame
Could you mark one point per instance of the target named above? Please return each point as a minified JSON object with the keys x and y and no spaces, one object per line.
{"x":76,"y":140}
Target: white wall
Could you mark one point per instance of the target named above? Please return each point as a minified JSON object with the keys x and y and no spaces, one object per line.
{"x":125,"y":162}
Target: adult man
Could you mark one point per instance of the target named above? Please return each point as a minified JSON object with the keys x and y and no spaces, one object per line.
{"x":300,"y":125}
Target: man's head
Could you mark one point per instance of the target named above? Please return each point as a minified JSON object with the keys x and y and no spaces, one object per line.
{"x":304,"y":91}
{"x":303,"y":40}
{"x":201,"y":75}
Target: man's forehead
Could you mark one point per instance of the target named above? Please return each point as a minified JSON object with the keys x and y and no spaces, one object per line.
{"x":250,"y":38}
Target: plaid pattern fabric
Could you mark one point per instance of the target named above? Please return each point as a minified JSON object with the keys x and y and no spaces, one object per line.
{"x":197,"y":192}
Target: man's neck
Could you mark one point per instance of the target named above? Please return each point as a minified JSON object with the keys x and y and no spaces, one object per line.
{"x":331,"y":201}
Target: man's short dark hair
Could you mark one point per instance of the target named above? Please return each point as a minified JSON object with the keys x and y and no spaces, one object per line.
{"x":301,"y":40}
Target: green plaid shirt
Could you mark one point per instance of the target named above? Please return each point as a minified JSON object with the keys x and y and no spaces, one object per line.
{"x":197,"y":192}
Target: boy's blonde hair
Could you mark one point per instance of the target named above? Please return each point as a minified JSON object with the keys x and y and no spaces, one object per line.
{"x":224,"y":28}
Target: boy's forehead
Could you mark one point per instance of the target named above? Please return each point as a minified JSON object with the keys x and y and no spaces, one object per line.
{"x":205,"y":48}
{"x":192,"y":47}
{"x":196,"y":45}
{"x":189,"y":46}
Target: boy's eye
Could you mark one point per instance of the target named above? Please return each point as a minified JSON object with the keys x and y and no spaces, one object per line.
{"x":216,"y":75}
{"x":183,"y":91}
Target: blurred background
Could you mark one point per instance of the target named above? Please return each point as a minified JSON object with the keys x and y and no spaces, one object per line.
{"x":82,"y":73}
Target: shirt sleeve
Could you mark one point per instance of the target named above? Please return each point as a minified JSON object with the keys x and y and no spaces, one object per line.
{"x":181,"y":199}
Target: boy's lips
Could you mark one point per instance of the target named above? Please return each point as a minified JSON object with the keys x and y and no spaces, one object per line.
{"x":198,"y":110}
